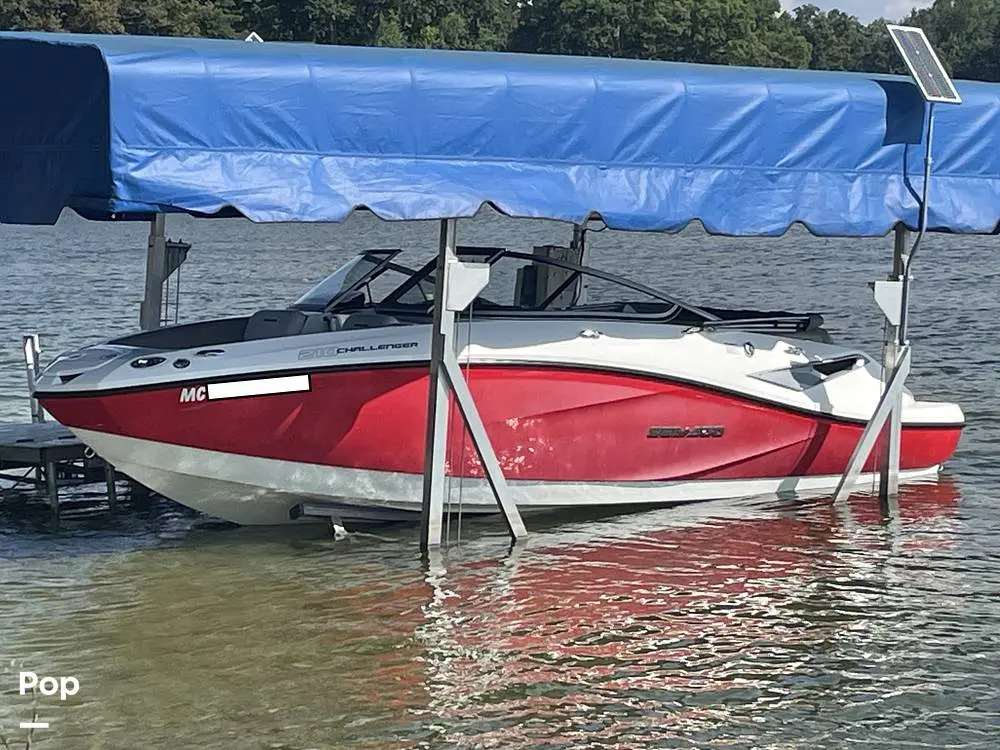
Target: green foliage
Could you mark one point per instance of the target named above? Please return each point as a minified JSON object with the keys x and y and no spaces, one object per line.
{"x":212,"y":18}
{"x":389,"y":33}
{"x":730,"y":32}
{"x":964,"y":33}
{"x":96,"y":16}
{"x":837,"y":40}
{"x":880,"y":53}
{"x":572,"y":27}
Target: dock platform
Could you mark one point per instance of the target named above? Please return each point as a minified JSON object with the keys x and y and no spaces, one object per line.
{"x":50,"y":455}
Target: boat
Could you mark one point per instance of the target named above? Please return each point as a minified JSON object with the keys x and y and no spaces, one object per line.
{"x":595,"y":391}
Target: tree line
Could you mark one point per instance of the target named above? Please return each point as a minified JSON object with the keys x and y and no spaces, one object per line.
{"x":966,"y":33}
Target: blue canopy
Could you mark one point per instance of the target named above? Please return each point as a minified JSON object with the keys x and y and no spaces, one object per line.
{"x":112,"y":125}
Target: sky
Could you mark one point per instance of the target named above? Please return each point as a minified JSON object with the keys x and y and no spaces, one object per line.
{"x":865,"y":10}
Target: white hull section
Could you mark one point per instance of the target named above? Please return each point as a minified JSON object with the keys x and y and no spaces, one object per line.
{"x":258,"y":491}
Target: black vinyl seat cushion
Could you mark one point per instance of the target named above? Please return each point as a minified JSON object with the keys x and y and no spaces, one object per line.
{"x":269,"y":324}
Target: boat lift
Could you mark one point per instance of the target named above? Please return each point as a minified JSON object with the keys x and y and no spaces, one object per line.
{"x":456,"y":285}
{"x":217,"y":156}
{"x":163,"y":260}
{"x":460,"y":282}
{"x":48,"y":449}
{"x":893,"y":295}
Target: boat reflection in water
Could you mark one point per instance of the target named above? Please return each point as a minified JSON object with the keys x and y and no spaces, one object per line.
{"x":637,"y":633}
{"x":683,"y":625}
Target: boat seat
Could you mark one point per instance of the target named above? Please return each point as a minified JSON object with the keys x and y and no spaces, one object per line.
{"x":269,"y":324}
{"x":365,"y":319}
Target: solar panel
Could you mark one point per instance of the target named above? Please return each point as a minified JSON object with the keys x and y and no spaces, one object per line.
{"x":925,"y":67}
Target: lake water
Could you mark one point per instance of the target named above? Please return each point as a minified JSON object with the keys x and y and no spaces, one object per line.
{"x":750,"y":624}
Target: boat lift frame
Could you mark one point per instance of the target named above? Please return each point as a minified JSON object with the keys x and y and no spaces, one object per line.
{"x":164,"y":259}
{"x":456,"y":285}
{"x":893,"y":298}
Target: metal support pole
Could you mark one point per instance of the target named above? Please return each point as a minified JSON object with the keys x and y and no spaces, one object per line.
{"x":579,"y":244}
{"x":904,"y":310}
{"x":156,"y":261}
{"x":432,"y":508}
{"x":445,"y":376}
{"x":889,"y":463}
{"x":894,"y":299}
{"x":109,"y":478}
{"x":52,"y":485}
{"x":894,"y":388}
{"x":32,"y":365}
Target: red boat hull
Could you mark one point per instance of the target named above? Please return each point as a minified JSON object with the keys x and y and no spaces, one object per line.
{"x":546,"y":424}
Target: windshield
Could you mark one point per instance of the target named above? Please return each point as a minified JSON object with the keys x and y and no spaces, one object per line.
{"x":521,"y":285}
{"x":345,"y":281}
{"x":517,"y":286}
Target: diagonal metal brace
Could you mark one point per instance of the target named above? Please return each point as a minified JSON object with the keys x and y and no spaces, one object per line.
{"x":494,"y":475}
{"x":889,"y":401}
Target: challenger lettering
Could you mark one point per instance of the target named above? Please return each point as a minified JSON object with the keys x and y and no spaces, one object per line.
{"x":322,"y":352}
